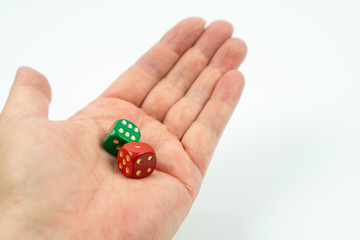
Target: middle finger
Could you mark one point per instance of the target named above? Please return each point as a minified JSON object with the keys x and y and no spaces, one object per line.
{"x":173,"y":87}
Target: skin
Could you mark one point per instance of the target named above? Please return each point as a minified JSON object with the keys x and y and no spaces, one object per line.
{"x":58,"y":182}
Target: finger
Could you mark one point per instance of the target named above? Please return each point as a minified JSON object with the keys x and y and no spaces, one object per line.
{"x":201,"y":138}
{"x":184,"y":112}
{"x":179,"y":79}
{"x":30,"y":94}
{"x":139,"y":79}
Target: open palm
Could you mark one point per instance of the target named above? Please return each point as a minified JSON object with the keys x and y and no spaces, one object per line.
{"x":180,"y":94}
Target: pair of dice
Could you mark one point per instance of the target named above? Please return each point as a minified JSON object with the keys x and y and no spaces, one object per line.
{"x":135,"y":159}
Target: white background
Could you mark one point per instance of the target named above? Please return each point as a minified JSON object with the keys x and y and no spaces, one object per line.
{"x":287,"y":166}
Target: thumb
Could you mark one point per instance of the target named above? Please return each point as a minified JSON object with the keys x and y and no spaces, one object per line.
{"x":30,"y":94}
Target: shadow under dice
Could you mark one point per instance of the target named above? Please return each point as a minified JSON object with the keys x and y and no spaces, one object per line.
{"x":121,"y":132}
{"x":136,"y":160}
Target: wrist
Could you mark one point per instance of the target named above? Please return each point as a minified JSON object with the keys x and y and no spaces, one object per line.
{"x":20,"y":221}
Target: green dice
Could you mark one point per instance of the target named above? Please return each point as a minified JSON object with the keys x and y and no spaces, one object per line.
{"x":121,"y":132}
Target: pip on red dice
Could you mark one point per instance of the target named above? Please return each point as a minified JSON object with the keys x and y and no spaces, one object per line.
{"x":135,"y":159}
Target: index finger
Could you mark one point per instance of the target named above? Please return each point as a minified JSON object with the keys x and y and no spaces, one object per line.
{"x":135,"y":83}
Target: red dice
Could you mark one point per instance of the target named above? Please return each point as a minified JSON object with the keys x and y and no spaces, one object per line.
{"x":136,"y":159}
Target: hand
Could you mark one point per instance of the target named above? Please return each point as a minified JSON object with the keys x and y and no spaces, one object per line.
{"x":56,"y":179}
